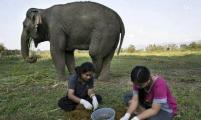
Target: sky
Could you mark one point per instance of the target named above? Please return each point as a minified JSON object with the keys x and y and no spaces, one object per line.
{"x":146,"y":21}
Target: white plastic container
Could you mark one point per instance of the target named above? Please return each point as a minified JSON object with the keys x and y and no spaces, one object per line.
{"x":103,"y":114}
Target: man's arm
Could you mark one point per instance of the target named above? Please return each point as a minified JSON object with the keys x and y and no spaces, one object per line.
{"x":72,"y":96}
{"x":91,"y":92}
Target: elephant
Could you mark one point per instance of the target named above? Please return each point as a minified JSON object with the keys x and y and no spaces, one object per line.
{"x":78,"y":25}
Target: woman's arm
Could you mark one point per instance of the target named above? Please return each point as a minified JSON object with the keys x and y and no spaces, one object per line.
{"x":150,"y":112}
{"x":133,"y":105}
{"x":72,"y":96}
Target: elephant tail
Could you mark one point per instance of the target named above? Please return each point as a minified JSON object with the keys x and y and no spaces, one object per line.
{"x":122,"y":30}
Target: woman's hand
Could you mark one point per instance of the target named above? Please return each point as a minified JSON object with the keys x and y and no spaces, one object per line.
{"x":126,"y":116}
{"x":135,"y":118}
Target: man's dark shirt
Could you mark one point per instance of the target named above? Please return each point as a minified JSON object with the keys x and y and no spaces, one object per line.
{"x":80,"y":88}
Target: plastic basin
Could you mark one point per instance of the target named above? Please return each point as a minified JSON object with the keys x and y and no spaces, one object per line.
{"x":103,"y":114}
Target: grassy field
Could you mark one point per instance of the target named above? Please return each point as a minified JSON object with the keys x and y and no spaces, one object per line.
{"x":31,"y":91}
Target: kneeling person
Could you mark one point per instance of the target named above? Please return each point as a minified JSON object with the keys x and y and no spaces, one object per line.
{"x":80,"y":89}
{"x":152,"y":98}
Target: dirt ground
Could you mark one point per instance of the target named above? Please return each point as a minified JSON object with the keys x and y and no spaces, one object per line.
{"x":82,"y":114}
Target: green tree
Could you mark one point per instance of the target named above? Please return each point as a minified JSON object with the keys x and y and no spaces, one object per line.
{"x":171,"y":47}
{"x":2,"y":48}
{"x":130,"y":49}
{"x":194,"y":45}
{"x":183,"y":46}
{"x":153,"y":47}
{"x":191,"y":46}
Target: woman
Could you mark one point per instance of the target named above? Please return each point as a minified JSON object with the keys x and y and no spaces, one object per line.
{"x":151,"y":99}
{"x":80,"y":89}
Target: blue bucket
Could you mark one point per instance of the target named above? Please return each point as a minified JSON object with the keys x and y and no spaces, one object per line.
{"x":103,"y":114}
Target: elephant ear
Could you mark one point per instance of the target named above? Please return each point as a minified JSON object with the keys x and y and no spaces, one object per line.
{"x":34,"y":15}
{"x":38,"y":19}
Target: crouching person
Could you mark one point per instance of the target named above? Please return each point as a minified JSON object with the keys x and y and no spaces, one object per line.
{"x":80,"y":89}
{"x":151,"y":99}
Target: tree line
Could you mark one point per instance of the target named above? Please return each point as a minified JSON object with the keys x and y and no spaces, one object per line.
{"x":129,"y":49}
{"x":4,"y":51}
{"x":168,"y":47}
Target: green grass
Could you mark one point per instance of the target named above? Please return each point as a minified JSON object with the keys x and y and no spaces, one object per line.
{"x":31,"y":91}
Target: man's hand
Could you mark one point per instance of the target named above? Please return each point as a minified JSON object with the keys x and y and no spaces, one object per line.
{"x":94,"y":102}
{"x":86,"y":104}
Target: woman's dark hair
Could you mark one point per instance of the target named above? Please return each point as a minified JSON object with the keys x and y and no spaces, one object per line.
{"x":85,"y":67}
{"x":140,"y":74}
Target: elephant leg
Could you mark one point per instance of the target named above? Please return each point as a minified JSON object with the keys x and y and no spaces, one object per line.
{"x":58,"y":54}
{"x":97,"y":61}
{"x":105,"y":72}
{"x":101,"y":50}
{"x":70,"y":61}
{"x":59,"y":62}
{"x":95,"y":52}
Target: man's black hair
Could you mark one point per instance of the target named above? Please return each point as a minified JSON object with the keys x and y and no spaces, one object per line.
{"x":85,"y":67}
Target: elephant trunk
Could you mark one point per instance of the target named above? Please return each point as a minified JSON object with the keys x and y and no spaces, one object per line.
{"x":25,"y":43}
